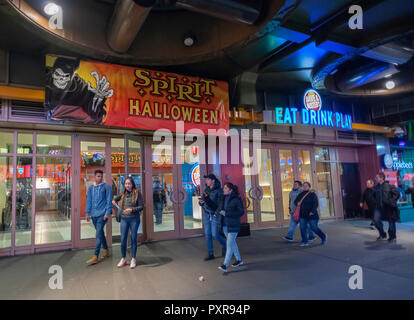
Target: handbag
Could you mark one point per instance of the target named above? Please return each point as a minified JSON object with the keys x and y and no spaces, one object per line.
{"x":118,"y":213}
{"x":296,"y":214}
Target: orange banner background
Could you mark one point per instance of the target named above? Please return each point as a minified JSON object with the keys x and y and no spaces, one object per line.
{"x":154,"y":100}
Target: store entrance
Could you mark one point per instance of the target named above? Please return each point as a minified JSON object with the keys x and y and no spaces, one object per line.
{"x":269,"y":185}
{"x":172,"y":181}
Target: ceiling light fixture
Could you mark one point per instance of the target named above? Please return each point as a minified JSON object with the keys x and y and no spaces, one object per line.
{"x":390,"y":84}
{"x":51,"y":8}
{"x":189,"y":40}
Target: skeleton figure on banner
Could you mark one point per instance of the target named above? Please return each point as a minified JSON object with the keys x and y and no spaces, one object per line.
{"x":70,"y":98}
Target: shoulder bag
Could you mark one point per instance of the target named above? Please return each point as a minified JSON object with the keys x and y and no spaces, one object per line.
{"x":296,"y":215}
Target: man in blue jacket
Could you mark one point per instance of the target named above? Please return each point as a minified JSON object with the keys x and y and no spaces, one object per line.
{"x":99,"y":207}
{"x":211,"y":202}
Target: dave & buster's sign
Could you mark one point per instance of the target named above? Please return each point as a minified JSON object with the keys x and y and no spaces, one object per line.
{"x":129,"y":97}
{"x":312,"y":114}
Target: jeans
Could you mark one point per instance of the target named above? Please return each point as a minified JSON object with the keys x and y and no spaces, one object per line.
{"x":392,"y":231}
{"x":210,"y":231}
{"x":126,"y":224}
{"x":158,"y":206}
{"x":99,"y":224}
{"x":231,"y":246}
{"x":292,"y":227}
{"x":313,"y":224}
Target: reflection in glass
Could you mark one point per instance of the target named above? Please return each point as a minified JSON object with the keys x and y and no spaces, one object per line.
{"x":163,"y":193}
{"x":321,"y":154}
{"x":304,"y":166}
{"x":54,"y":144}
{"x":25,"y":143}
{"x":325,"y":193}
{"x":134,"y":158}
{"x":190,"y":177}
{"x":53,"y":200}
{"x":6,"y":198}
{"x":249,"y":186}
{"x":24,"y":189}
{"x":287,"y":178}
{"x":267,"y":204}
{"x":6,"y":142}
{"x":93,"y":157}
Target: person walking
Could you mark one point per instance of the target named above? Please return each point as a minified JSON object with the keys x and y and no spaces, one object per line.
{"x":98,"y":206}
{"x":368,"y":198}
{"x":308,"y":202}
{"x":410,"y":191}
{"x":160,"y":201}
{"x":386,"y":197}
{"x":296,"y":190}
{"x":210,"y":201}
{"x":230,"y":214}
{"x":131,"y":203}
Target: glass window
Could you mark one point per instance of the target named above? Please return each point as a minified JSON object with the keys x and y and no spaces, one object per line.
{"x":321,"y":154}
{"x":267,"y":204}
{"x":287,"y":178}
{"x":54,"y":144}
{"x":325,"y":193}
{"x":304,"y":166}
{"x":6,"y":197}
{"x":249,"y":186}
{"x":164,"y":196}
{"x":25,"y":143}
{"x":53,"y":200}
{"x":24,"y":189}
{"x":6,"y":142}
{"x":118,"y":175}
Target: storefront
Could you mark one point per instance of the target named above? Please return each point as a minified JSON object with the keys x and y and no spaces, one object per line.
{"x":46,"y":168}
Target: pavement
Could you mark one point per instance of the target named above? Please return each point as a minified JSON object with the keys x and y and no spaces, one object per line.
{"x":273,"y":269}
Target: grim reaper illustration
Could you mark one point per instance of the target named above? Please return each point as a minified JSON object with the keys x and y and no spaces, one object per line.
{"x":70,"y":98}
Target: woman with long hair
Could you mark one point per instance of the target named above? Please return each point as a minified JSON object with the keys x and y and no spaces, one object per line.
{"x":307,"y":200}
{"x":131,"y":203}
{"x":232,"y":210}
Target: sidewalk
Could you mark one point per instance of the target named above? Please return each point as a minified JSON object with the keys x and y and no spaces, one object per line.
{"x":274,"y":269}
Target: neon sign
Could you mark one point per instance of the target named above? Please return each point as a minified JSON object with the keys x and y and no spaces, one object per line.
{"x":313,"y":114}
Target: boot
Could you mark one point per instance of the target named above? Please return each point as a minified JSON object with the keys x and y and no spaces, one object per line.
{"x":93,"y":260}
{"x":105,"y":254}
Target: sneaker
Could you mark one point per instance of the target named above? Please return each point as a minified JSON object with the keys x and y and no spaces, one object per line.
{"x":122,"y":263}
{"x":238,"y":263}
{"x":304,"y":244}
{"x":133,"y":263}
{"x":324,"y":240}
{"x":209,"y":257}
{"x":372,"y":227}
{"x":93,"y":260}
{"x":105,"y":254}
{"x":382,"y":238}
{"x":288,"y":239}
{"x":223,"y":268}
{"x":313,"y":239}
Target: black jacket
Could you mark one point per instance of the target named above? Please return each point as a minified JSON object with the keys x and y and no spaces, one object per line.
{"x":386,"y":196}
{"x":129,"y":201}
{"x":213,"y":199}
{"x":309,"y":205}
{"x":368,"y":197}
{"x":233,"y":206}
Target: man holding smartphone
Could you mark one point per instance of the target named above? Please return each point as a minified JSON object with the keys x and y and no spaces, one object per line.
{"x":211,"y":202}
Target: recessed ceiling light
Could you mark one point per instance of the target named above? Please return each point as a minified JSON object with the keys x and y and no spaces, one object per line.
{"x":390,"y":84}
{"x":189,"y":40}
{"x":51,"y":8}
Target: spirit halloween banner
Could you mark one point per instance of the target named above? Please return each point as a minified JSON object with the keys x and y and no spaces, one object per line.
{"x":129,"y":97}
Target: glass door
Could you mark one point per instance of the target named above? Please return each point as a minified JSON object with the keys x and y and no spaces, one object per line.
{"x":260,"y":183}
{"x":94,"y":154}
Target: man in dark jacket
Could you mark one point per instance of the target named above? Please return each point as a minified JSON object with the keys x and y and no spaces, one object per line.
{"x":410,"y":191}
{"x":368,"y":198}
{"x":386,"y":196}
{"x":211,"y":202}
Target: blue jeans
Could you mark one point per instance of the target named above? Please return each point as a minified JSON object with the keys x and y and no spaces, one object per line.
{"x":380,"y":226}
{"x":231,"y":246}
{"x":210,"y":231}
{"x":126,"y":224}
{"x":158,"y":206}
{"x":99,"y":224}
{"x":313,"y":224}
{"x":292,"y":227}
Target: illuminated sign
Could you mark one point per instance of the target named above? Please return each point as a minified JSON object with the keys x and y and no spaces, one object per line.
{"x":388,"y":161}
{"x":313,"y":114}
{"x":195,"y":175}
